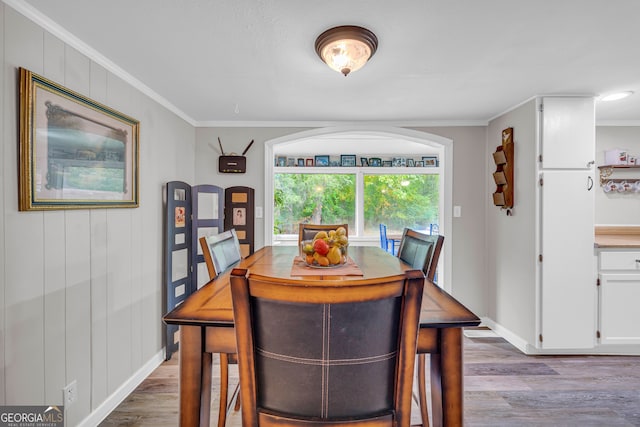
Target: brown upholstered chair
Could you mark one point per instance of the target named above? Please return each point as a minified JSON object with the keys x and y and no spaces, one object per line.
{"x":308,"y":231}
{"x":222,"y":251}
{"x":326,"y":352}
{"x":421,"y":251}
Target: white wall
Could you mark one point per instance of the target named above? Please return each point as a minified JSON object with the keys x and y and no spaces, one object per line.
{"x":511,"y":240}
{"x":81,"y":292}
{"x":615,"y":208}
{"x":468,"y":241}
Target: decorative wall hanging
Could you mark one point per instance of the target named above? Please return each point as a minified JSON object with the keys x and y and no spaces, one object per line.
{"x":503,"y":176}
{"x":74,"y":152}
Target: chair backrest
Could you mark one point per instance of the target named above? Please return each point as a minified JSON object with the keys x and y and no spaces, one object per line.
{"x":326,"y":350}
{"x":421,"y":251}
{"x":220,"y":251}
{"x":308,"y":231}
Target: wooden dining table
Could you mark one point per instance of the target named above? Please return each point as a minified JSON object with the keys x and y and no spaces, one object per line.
{"x":205,"y":321}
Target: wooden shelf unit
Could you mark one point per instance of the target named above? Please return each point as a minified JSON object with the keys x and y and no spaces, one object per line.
{"x":503,"y":176}
{"x":607,"y":170}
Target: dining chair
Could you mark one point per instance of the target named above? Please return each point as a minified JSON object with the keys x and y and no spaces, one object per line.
{"x":308,"y":231}
{"x":387,"y":244}
{"x":222,"y":251}
{"x":326,"y":352}
{"x":421,"y":251}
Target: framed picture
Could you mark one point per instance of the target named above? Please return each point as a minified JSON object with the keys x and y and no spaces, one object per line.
{"x":348,"y":160}
{"x":399,"y":162}
{"x":282,"y":161}
{"x":364,"y":162}
{"x":239,"y":216}
{"x":322,"y":161}
{"x":291,"y":161}
{"x":430,"y":161}
{"x":309,"y":162}
{"x":410,"y":163}
{"x":74,"y":152}
{"x":375,"y":161}
{"x":387,"y":163}
{"x":420,"y":163}
{"x":300,"y":162}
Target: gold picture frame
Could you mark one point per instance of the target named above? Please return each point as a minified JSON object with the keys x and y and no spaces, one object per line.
{"x":74,"y":153}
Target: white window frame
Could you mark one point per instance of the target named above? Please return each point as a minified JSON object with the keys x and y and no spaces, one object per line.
{"x":356,"y":237}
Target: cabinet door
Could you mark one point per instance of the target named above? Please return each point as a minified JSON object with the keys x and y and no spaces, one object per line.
{"x":619,"y":317}
{"x":568,"y":133}
{"x":568,"y":266}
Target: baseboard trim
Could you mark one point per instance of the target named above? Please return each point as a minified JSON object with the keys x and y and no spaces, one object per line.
{"x":116,"y":398}
{"x":505,"y":333}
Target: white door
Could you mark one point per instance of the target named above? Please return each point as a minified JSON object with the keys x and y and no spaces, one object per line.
{"x":568,"y":267}
{"x":568,"y":132}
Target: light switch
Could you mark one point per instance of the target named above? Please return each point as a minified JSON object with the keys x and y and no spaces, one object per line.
{"x":258,"y":211}
{"x":457,"y":211}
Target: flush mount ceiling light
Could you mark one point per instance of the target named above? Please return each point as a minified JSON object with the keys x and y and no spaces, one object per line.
{"x":346,"y":48}
{"x":616,"y":96}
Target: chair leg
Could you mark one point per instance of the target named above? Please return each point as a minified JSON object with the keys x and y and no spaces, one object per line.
{"x":224,"y":389}
{"x":422,"y":390}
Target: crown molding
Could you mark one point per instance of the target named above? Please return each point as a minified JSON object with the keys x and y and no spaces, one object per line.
{"x":317,"y":124}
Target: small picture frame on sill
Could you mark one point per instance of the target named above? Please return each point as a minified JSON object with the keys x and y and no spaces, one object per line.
{"x":420,"y":163}
{"x":291,"y":161}
{"x":387,"y":163}
{"x":322,"y":161}
{"x":430,"y":161}
{"x":281,"y":162}
{"x":411,"y":163}
{"x":348,"y":160}
{"x":301,"y":162}
{"x":399,"y":162}
{"x":309,"y":162}
{"x":375,"y":162}
{"x":364,"y":162}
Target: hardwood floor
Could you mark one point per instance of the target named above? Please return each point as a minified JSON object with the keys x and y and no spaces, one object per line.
{"x":503,"y":387}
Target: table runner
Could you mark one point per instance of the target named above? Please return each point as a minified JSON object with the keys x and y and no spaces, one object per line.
{"x":299,"y":268}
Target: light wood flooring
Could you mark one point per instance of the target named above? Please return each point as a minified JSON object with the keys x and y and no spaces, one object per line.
{"x":503,"y":387}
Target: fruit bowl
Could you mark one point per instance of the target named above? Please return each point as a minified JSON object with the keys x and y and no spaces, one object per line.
{"x":326,"y":250}
{"x":323,"y":255}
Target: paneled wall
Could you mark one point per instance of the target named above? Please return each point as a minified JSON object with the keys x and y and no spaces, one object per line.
{"x":81,"y":290}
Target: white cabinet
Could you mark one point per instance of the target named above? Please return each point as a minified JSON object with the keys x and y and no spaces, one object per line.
{"x":619,"y":295}
{"x":568,"y":132}
{"x":567,"y":276}
{"x":567,"y":268}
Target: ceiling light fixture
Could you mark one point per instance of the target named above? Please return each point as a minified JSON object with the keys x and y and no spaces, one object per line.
{"x":616,"y":96}
{"x":346,"y":48}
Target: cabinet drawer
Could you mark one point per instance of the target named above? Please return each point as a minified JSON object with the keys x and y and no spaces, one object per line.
{"x":620,"y":260}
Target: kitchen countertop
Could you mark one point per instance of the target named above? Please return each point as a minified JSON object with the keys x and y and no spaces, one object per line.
{"x":617,"y":237}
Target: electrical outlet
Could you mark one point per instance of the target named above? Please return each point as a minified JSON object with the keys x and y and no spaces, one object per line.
{"x":70,"y":393}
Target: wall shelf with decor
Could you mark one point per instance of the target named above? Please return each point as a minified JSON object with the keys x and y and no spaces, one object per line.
{"x":352,"y":160}
{"x":606,"y":171}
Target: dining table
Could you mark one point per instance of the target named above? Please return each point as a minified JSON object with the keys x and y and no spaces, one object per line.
{"x":206,"y":327}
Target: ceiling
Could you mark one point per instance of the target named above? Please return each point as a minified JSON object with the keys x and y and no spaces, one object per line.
{"x":252,"y":62}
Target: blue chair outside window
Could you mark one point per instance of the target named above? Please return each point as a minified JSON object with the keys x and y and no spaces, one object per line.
{"x":388,"y":245}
